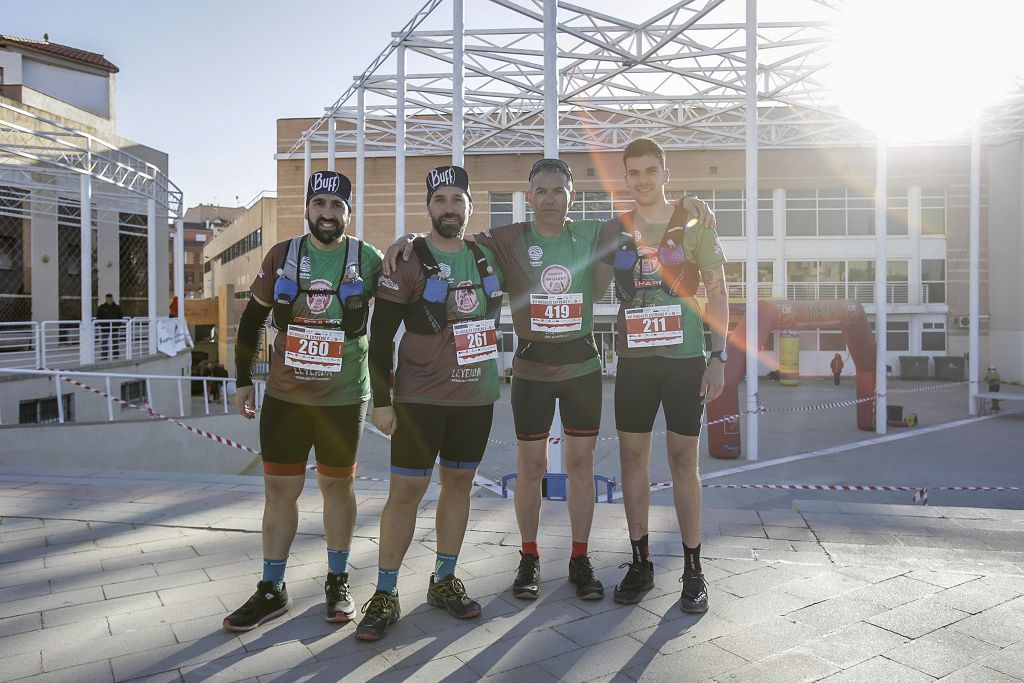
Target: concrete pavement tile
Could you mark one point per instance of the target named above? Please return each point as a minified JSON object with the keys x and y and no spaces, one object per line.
{"x":361,"y":665}
{"x":141,"y":558}
{"x":195,"y":561}
{"x":94,"y":672}
{"x":757,"y":608}
{"x":979,"y":672}
{"x":852,"y":645}
{"x":21,"y":666}
{"x":686,"y":631}
{"x":45,"y":638}
{"x":172,"y":614}
{"x":125,"y":588}
{"x":974,"y":597}
{"x":240,"y":667}
{"x":1014,"y":582}
{"x":917,"y":618}
{"x":607,"y":626}
{"x":162,"y":677}
{"x":750,"y":583}
{"x":77,"y":613}
{"x":20,"y":624}
{"x":76,"y":576}
{"x":736,"y":566}
{"x":431,"y":619}
{"x":790,"y":533}
{"x":941,"y":579}
{"x":941,"y":652}
{"x":782,"y":518}
{"x":815,"y":558}
{"x":696,"y":663}
{"x":742,"y":530}
{"x":24,"y":565}
{"x":1009,"y":661}
{"x":24,"y":590}
{"x":822,"y":586}
{"x":159,"y":660}
{"x":771,"y":637}
{"x":879,"y":669}
{"x":531,"y":672}
{"x":449,"y":669}
{"x":836,"y":613}
{"x":788,"y":666}
{"x":896,"y":591}
{"x":1001,"y":626}
{"x":585,"y":665}
{"x":223,"y":587}
{"x":106,"y":647}
{"x":51,"y":601}
{"x":517,"y":651}
{"x":544,"y":613}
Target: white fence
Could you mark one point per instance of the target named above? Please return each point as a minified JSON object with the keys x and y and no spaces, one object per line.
{"x":57,"y":343}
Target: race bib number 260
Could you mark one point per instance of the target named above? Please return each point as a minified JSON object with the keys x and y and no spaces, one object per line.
{"x":311,"y":348}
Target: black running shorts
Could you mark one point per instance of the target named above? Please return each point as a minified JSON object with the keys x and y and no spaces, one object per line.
{"x":644,"y":384}
{"x":457,"y":433}
{"x":289,"y":430}
{"x":579,"y":403}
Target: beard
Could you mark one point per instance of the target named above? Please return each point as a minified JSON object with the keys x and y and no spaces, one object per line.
{"x":327,"y":231}
{"x":449,"y":231}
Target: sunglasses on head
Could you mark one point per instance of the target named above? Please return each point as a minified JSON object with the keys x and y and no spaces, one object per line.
{"x":551,"y":165}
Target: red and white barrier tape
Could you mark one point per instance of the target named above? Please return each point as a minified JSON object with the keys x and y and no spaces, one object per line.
{"x":920,"y":492}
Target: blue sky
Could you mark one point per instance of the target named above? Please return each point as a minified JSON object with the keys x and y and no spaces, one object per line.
{"x":206,"y":81}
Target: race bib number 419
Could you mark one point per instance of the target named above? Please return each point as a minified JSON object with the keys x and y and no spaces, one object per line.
{"x":654,"y":326}
{"x":556,"y":312}
{"x":475,"y":341}
{"x":311,"y":348}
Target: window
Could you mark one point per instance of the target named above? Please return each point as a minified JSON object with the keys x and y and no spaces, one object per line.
{"x":830,"y":340}
{"x":897,"y":335}
{"x":730,"y":208}
{"x":838,"y":212}
{"x":933,"y":281}
{"x":500,"y":208}
{"x":933,"y":211}
{"x":44,"y":410}
{"x":933,"y":336}
{"x":134,"y":392}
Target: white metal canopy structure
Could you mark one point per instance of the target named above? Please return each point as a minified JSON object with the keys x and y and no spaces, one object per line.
{"x":542,"y":76}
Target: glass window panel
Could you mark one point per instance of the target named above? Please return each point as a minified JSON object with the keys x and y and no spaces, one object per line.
{"x":897,"y":271}
{"x":728,"y":195}
{"x":897,"y":341}
{"x":933,"y":341}
{"x":808,"y":340}
{"x":801,"y":223}
{"x":933,"y":221}
{"x":831,"y":223}
{"x":765,"y":223}
{"x":832,"y":204}
{"x":935,"y":293}
{"x":802,"y":271}
{"x":832,"y":193}
{"x":801,"y":194}
{"x":831,"y":341}
{"x":765,"y":269}
{"x":831,"y":271}
{"x":933,"y":269}
{"x":730,"y":223}
{"x":861,"y":271}
{"x":897,"y":221}
{"x":735,"y":271}
{"x":860,"y":222}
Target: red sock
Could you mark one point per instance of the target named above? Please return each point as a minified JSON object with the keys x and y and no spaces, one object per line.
{"x":530,"y":548}
{"x":578,"y":548}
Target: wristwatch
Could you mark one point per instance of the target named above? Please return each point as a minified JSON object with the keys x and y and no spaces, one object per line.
{"x":722,"y":355}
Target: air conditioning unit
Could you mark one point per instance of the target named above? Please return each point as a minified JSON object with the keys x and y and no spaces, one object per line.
{"x":963,"y":321}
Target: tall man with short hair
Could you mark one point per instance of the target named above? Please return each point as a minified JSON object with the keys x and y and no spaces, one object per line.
{"x":449,"y":298}
{"x":661,"y":361}
{"x":316,"y":289}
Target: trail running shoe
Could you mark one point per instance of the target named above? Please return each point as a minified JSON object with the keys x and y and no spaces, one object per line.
{"x":265,"y":604}
{"x":338,"y":599}
{"x":380,"y":611}
{"x":638,"y":580}
{"x":527,"y":583}
{"x":694,"y":598}
{"x":581,"y":575}
{"x":450,"y":593}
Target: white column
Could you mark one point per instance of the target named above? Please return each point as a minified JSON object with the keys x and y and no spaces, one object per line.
{"x":151,"y":272}
{"x":518,"y":206}
{"x":307,"y":168}
{"x":361,"y":163}
{"x":400,"y":145}
{"x":881,"y":283}
{"x":779,"y":227}
{"x":179,"y":267}
{"x":551,"y":79}
{"x":86,"y":343}
{"x":458,"y":83}
{"x":975,"y":268}
{"x":916,"y":291}
{"x":332,"y":130}
{"x":750,"y":443}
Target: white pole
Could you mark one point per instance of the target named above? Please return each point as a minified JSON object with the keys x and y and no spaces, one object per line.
{"x":110,"y":401}
{"x":332,"y":128}
{"x":179,"y":268}
{"x":881,"y":284}
{"x":307,"y":170}
{"x":360,"y":163}
{"x":400,"y":145}
{"x":151,"y":271}
{"x":975,"y":268}
{"x":87,"y":351}
{"x":750,"y":137}
{"x":458,"y":83}
{"x":60,"y":399}
{"x":551,"y":79}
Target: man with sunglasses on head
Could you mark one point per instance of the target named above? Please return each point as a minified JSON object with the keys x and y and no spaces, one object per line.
{"x":549,"y":265}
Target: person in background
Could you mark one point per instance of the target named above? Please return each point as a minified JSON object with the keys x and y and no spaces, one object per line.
{"x":110,"y":335}
{"x":837,"y":367}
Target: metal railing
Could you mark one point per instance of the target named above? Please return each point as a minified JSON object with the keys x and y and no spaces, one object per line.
{"x":863,"y":292}
{"x":57,"y":343}
{"x":102,"y":381}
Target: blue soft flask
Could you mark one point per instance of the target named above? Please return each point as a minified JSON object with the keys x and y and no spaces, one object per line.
{"x":491,"y":285}
{"x":285,"y":290}
{"x":351,"y":286}
{"x":435,"y":290}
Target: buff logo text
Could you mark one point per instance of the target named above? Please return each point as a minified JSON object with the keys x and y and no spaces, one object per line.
{"x":324,"y":184}
{"x":443,"y":177}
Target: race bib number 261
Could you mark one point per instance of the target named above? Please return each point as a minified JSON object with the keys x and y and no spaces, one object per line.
{"x":475,"y":341}
{"x":311,"y":348}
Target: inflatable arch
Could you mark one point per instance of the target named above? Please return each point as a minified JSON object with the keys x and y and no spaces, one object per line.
{"x":843,"y":314}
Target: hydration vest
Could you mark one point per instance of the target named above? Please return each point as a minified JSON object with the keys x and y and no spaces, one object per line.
{"x":680,"y":277}
{"x":429,"y":313}
{"x":354,"y":301}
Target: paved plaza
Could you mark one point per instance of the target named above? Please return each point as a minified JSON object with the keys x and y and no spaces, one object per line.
{"x":117,"y":576}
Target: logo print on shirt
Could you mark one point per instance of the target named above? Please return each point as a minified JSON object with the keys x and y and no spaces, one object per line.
{"x":304,"y":266}
{"x":556,"y":279}
{"x":465,"y":299}
{"x":536,"y":254}
{"x":445,"y":270}
{"x":388,"y":283}
{"x":318,"y":303}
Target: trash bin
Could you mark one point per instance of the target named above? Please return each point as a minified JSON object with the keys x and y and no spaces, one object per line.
{"x":949,"y":368}
{"x":894,"y":413}
{"x":913,"y":367}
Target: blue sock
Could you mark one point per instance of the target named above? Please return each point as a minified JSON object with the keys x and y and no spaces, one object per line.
{"x":445,"y":566}
{"x":273,"y":571}
{"x":387,"y":581}
{"x":337,"y":561}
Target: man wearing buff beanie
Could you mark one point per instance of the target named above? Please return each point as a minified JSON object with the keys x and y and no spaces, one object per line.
{"x":448,"y":296}
{"x":316,"y":290}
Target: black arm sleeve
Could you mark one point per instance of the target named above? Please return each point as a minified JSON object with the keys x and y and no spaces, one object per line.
{"x":387,"y":316}
{"x":250,"y":330}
